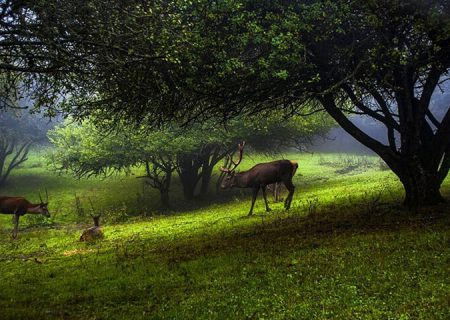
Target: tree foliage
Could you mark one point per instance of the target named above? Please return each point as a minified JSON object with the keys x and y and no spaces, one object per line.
{"x":85,"y":55}
{"x":195,"y":60}
{"x":88,"y":149}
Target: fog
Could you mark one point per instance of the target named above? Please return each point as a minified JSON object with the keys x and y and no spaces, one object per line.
{"x":338,"y":140}
{"x":23,"y":125}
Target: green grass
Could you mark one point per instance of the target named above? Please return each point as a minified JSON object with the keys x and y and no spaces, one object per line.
{"x":346,"y":250}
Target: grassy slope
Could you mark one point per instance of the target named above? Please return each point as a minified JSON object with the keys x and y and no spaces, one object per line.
{"x":338,"y":253}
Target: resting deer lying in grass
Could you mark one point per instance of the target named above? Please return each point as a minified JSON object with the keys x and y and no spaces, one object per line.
{"x":260,"y":176}
{"x":93,"y":233}
{"x":19,"y":206}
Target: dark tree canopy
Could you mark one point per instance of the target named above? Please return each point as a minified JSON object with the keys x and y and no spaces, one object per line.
{"x":190,"y":60}
{"x":90,"y":55}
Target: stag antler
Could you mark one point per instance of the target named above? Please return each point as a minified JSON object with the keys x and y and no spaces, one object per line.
{"x":241,"y":151}
{"x":46,"y":196}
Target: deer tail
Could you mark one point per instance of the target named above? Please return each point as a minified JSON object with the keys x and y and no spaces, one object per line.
{"x":294,"y":167}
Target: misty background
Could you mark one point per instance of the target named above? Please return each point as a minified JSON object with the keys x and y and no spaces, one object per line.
{"x":338,"y":140}
{"x":21,"y":125}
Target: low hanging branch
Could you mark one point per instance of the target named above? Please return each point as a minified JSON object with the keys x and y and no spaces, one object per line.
{"x":19,"y":155}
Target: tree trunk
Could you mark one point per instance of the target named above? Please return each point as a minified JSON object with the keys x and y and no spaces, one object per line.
{"x":210,"y":158}
{"x":159,"y":176}
{"x":421,"y":188}
{"x":189,"y":183}
{"x":206,"y":177}
{"x":188,"y":170}
{"x":164,"y":190}
{"x":165,"y":200}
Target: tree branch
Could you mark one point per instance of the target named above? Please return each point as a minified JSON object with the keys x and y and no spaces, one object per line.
{"x":428,"y":88}
{"x":441,"y":140}
{"x":19,"y":157}
{"x":433,"y":119}
{"x":366,"y":110}
{"x":385,"y":152}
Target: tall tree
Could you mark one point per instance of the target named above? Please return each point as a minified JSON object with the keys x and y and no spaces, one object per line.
{"x":163,"y":60}
{"x":383,"y":60}
{"x":87,"y":150}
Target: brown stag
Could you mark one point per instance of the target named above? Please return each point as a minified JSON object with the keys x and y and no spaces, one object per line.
{"x":18,"y":206}
{"x":260,"y":176}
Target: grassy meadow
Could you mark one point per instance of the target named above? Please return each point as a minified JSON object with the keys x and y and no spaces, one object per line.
{"x":347,"y":249}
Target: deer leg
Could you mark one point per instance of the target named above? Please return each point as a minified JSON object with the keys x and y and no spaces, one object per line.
{"x":277,"y":192}
{"x":255,"y":193}
{"x":16,"y":224}
{"x":291,"y":188}
{"x":265,"y":198}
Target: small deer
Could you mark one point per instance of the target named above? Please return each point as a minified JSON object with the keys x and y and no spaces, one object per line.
{"x":95,"y":232}
{"x":260,"y":176}
{"x":19,"y":206}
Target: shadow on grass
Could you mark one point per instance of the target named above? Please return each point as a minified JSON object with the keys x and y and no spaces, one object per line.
{"x":282,"y":231}
{"x":202,"y":201}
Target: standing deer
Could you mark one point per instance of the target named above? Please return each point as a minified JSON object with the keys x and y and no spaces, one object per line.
{"x":19,"y":206}
{"x":260,"y":176}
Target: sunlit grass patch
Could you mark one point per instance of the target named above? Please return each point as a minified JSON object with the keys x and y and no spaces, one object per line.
{"x":77,"y":251}
{"x":346,"y":250}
